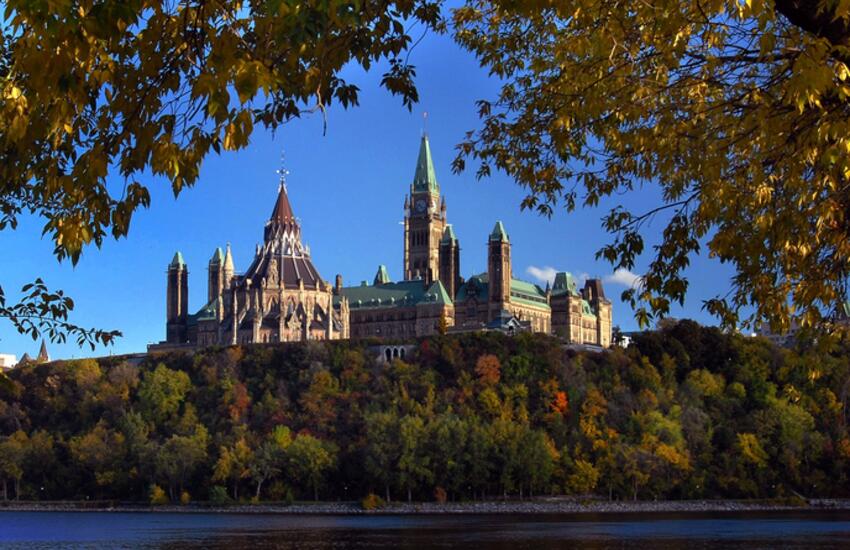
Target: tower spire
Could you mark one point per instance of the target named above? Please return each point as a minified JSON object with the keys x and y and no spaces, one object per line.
{"x":425,"y":178}
{"x":282,"y":172}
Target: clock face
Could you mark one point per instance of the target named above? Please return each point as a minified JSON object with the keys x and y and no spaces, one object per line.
{"x":421,"y":205}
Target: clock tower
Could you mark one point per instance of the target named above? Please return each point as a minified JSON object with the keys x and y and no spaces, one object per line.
{"x":424,"y":220}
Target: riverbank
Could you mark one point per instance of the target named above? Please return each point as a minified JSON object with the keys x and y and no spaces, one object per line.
{"x":532,"y":506}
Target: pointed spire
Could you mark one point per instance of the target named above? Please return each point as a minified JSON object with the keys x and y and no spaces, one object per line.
{"x":382,"y":277}
{"x":499,"y":233}
{"x":43,"y":356}
{"x":228,"y":260}
{"x":177,"y":262}
{"x":282,"y":212}
{"x":449,"y":235}
{"x":425,"y":178}
{"x":217,"y":257}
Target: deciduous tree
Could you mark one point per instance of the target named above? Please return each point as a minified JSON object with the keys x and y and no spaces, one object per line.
{"x":734,"y":113}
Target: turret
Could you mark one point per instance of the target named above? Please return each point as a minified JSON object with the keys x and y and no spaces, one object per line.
{"x":450,"y":261}
{"x":43,"y":356}
{"x":382,"y":277}
{"x":498,"y":269}
{"x":177,"y":300}
{"x":215,"y":275}
{"x":228,"y":269}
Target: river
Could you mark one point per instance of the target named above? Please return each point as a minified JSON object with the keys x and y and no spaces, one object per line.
{"x":690,"y":531}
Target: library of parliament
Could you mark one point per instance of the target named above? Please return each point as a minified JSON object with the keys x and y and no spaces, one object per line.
{"x":281,"y":296}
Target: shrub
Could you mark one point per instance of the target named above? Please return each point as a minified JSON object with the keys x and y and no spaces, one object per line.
{"x":281,"y":492}
{"x":158,"y":496}
{"x":218,"y":495}
{"x":440,"y":495}
{"x":185,"y":497}
{"x":373,"y":502}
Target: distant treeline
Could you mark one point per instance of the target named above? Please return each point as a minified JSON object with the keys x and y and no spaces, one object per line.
{"x":685,"y":412}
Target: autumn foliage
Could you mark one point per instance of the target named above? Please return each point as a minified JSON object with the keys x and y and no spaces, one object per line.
{"x":685,"y":412}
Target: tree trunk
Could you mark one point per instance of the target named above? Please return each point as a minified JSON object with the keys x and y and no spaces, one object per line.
{"x":259,"y":487}
{"x":387,"y":487}
{"x":5,"y":490}
{"x":17,"y":489}
{"x":236,"y":490}
{"x":409,"y":496}
{"x":316,"y":492}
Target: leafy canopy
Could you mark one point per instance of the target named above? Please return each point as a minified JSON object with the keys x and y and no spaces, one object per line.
{"x":736,"y":110}
{"x":128,"y":87}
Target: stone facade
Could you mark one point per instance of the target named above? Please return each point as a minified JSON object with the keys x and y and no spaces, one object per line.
{"x":434,"y":296}
{"x":280,"y":298}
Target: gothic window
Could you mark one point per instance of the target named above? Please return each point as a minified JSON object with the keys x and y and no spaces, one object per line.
{"x":389,"y":354}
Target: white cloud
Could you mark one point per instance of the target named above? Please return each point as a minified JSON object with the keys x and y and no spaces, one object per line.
{"x":623,"y":276}
{"x":542,"y":274}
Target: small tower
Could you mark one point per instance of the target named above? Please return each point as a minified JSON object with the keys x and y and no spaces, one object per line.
{"x":382,"y":277}
{"x":177,"y":297}
{"x":215,"y":277}
{"x":450,"y":261}
{"x":498,"y":270}
{"x":43,"y":356}
{"x":228,"y":269}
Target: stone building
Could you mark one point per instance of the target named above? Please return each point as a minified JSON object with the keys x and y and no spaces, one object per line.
{"x":280,"y":298}
{"x":434,"y":292}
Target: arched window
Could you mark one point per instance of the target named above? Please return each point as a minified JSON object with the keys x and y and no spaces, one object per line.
{"x":402,"y":353}
{"x":395,"y":352}
{"x":389,"y":354}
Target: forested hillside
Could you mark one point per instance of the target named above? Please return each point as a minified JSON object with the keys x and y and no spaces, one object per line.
{"x":685,"y":412}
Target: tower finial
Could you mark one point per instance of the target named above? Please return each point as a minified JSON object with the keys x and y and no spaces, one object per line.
{"x":424,"y":123}
{"x":282,"y":172}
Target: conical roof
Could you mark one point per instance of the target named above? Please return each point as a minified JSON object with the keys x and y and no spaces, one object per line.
{"x":282,"y":212}
{"x":43,"y":356}
{"x":425,"y":178}
{"x":228,"y":260}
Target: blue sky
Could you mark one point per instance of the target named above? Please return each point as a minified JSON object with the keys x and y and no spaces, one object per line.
{"x":348,"y":189}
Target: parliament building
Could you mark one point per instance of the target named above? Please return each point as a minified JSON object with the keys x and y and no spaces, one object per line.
{"x":281,"y":297}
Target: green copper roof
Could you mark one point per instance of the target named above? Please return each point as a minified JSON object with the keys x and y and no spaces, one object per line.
{"x":499,"y":233}
{"x":208,"y":311}
{"x":425,"y":178}
{"x":400,"y":294}
{"x":217,"y":257}
{"x":177,"y":261}
{"x":523,"y":292}
{"x":449,"y":235}
{"x":383,"y":276}
{"x":564,"y":284}
{"x":474,"y":287}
